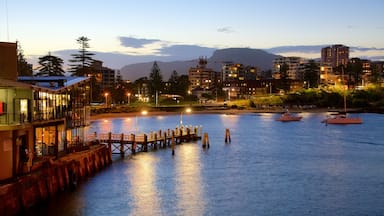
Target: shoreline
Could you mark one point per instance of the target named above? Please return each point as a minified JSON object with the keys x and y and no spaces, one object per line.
{"x":216,"y":111}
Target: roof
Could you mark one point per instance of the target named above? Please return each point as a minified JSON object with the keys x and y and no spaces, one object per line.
{"x":55,"y":83}
{"x":11,"y":83}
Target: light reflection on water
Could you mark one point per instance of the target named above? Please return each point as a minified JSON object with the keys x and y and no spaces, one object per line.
{"x":269,"y":168}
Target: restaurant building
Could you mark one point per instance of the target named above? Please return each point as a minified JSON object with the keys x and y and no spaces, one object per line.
{"x":41,"y":118}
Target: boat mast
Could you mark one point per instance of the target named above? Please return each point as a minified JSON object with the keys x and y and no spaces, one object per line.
{"x":344,"y":90}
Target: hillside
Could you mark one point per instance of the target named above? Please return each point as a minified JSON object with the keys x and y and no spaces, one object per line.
{"x":246,"y":56}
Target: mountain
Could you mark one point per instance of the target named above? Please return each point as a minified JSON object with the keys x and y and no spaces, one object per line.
{"x":245,"y":56}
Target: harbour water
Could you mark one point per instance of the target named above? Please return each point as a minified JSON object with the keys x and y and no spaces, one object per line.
{"x":269,"y":168}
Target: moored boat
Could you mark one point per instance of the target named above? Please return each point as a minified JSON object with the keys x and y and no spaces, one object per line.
{"x":287,"y":117}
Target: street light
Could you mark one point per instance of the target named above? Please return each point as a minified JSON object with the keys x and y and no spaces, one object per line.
{"x":128,"y":96}
{"x":106,"y":98}
{"x":188,"y":110}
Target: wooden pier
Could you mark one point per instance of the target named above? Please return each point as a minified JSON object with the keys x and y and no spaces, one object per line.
{"x":142,"y":142}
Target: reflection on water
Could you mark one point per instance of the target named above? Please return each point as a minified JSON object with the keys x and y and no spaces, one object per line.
{"x":269,"y":168}
{"x":189,"y":185}
{"x":143,"y":187}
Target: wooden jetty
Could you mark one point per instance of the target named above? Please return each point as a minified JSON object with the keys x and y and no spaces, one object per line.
{"x":142,"y":142}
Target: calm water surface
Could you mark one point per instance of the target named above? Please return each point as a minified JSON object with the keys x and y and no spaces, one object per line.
{"x":269,"y":168}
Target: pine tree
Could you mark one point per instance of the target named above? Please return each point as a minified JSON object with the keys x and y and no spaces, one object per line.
{"x":50,"y":66}
{"x":82,"y":60}
{"x":156,"y":79}
{"x":23,"y":68}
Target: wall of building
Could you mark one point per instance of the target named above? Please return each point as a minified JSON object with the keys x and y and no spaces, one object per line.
{"x":6,"y":155}
{"x":8,"y":61}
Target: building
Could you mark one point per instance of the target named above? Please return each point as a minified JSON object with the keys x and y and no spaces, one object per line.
{"x":334,"y":55}
{"x":105,"y":76}
{"x":40,"y":117}
{"x":295,"y":67}
{"x":201,"y":77}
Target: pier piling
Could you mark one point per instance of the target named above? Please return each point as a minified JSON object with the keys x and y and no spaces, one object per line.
{"x":227,"y":136}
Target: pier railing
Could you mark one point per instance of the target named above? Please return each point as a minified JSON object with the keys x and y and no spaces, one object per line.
{"x":121,"y":143}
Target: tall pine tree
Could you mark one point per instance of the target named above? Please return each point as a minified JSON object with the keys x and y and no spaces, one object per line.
{"x":82,"y":61}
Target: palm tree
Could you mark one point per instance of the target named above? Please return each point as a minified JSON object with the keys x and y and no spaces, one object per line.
{"x":50,"y":66}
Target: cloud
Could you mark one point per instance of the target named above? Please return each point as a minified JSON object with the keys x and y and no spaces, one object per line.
{"x":226,"y":29}
{"x":136,"y":42}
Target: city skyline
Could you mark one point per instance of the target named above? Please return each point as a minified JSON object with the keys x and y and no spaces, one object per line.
{"x":124,"y":32}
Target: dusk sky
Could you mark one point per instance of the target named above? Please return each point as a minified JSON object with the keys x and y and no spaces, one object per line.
{"x":156,"y":28}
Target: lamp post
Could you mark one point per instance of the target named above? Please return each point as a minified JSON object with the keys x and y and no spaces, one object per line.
{"x":188,"y":110}
{"x":106,"y":98}
{"x":129,"y":97}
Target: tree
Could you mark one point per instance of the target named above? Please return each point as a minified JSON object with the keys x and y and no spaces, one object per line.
{"x":23,"y":68}
{"x":178,"y":84}
{"x":50,"y":66}
{"x":354,"y":72}
{"x":311,"y":74}
{"x":285,"y":85}
{"x":155,"y":79}
{"x":82,"y":60}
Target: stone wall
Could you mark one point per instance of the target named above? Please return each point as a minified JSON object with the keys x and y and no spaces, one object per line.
{"x":52,"y":178}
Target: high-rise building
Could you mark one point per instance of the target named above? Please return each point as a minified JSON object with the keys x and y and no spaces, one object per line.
{"x":201,"y":76}
{"x":334,"y":55}
{"x":294,"y":67}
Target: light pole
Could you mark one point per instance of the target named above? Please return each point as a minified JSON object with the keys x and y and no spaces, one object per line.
{"x":106,"y":99}
{"x":128,"y":97}
{"x":188,"y":110}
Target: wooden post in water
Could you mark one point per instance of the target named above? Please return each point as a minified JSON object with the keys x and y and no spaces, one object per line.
{"x":110,"y":143}
{"x":206,"y":140}
{"x":122,"y":152}
{"x":165,"y":140}
{"x":145,"y":143}
{"x":188,"y":134}
{"x":173,"y":142}
{"x":227,"y":135}
{"x":133,"y":148}
{"x":155,"y":142}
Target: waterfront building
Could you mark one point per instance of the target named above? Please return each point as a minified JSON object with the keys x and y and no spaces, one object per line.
{"x":40,"y":117}
{"x":295,"y":67}
{"x":201,"y":76}
{"x":334,"y":55}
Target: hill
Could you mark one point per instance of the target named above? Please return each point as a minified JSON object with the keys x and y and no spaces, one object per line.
{"x":246,"y":56}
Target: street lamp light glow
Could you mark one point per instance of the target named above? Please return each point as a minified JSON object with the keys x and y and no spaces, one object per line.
{"x":188,"y":110}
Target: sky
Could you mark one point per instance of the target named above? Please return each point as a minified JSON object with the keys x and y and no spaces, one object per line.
{"x":129,"y":31}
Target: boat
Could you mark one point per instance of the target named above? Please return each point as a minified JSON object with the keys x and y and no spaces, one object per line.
{"x":343,"y":118}
{"x":288,"y":117}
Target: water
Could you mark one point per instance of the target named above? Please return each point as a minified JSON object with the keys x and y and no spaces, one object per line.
{"x":269,"y":168}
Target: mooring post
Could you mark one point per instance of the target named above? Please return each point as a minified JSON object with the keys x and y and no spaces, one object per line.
{"x":205,"y":141}
{"x":133,"y":148}
{"x":122,"y":152}
{"x":95,"y":135}
{"x":145,"y":143}
{"x":110,"y":143}
{"x":173,"y":142}
{"x":155,"y":142}
{"x":165,"y":140}
{"x":227,"y":135}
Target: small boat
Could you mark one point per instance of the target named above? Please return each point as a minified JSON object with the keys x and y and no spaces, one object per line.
{"x":343,"y":119}
{"x":287,"y":117}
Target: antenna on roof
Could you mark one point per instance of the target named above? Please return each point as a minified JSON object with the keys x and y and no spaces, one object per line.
{"x":6,"y":17}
